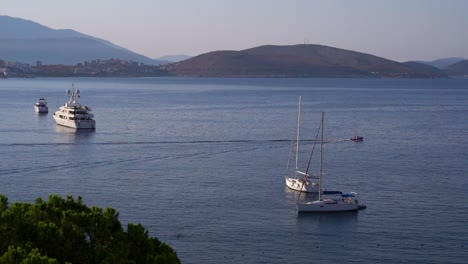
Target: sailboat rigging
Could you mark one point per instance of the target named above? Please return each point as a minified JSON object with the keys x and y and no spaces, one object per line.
{"x":343,"y":203}
{"x":299,"y":180}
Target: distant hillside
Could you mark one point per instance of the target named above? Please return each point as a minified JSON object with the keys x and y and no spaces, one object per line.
{"x":27,"y":41}
{"x":442,"y":63}
{"x":425,"y":68}
{"x":459,"y":68}
{"x":304,"y":60}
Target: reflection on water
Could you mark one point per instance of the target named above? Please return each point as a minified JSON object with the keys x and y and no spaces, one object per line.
{"x":73,"y":134}
{"x":42,"y":118}
{"x":325,"y":224}
{"x":332,"y":218}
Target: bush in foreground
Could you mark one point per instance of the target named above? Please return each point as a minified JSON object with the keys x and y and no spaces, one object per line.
{"x":67,"y":231}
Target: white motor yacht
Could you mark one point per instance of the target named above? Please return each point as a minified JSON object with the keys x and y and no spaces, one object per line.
{"x":41,"y":106}
{"x":73,"y":114}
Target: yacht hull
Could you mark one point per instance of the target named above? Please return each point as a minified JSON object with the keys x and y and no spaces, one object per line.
{"x":41,"y":109}
{"x":77,"y":124}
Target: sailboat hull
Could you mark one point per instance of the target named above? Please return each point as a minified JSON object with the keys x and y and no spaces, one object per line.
{"x":326,"y":207}
{"x":301,"y":186}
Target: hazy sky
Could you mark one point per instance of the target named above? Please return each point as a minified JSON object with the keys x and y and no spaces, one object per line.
{"x":398,"y":29}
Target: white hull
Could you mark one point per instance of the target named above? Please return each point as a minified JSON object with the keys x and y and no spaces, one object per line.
{"x":41,"y":109}
{"x":77,"y":124}
{"x":326,"y":207}
{"x":301,"y":186}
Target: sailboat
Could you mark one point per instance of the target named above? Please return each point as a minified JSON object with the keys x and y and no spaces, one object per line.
{"x":342,"y":203}
{"x":299,"y":180}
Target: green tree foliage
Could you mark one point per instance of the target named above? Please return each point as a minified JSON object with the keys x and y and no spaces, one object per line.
{"x":19,"y":255}
{"x":67,"y":231}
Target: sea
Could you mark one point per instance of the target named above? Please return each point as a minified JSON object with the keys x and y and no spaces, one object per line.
{"x":200,"y":163}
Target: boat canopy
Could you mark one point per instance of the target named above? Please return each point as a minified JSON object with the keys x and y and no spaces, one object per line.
{"x":348,"y":195}
{"x":332,"y":192}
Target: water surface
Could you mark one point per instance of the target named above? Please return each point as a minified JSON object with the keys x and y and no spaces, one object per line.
{"x":200,"y":163}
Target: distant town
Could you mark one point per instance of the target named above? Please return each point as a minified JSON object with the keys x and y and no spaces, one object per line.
{"x":268,"y":61}
{"x":94,"y":68}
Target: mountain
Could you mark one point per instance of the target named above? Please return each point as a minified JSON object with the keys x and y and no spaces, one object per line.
{"x":174,"y":58}
{"x":459,"y":68}
{"x":442,"y":63}
{"x":27,"y":42}
{"x":425,"y":68}
{"x":304,"y":60}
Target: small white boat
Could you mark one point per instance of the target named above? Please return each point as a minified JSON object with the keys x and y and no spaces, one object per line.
{"x":342,"y":203}
{"x":73,"y":114}
{"x":357,"y":139}
{"x":298,"y":180}
{"x":41,"y":106}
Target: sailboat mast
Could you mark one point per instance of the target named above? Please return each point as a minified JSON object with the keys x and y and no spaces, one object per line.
{"x":297,"y":136}
{"x":321,"y":159}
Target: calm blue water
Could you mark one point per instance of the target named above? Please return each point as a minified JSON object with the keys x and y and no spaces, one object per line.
{"x":200,"y":163}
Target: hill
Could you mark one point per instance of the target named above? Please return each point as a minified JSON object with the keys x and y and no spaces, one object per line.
{"x":27,"y":42}
{"x":442,"y":63}
{"x":425,"y":68}
{"x":304,"y":60}
{"x":459,"y":68}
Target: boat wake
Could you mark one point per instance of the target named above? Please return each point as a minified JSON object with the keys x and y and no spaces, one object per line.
{"x":82,"y":142}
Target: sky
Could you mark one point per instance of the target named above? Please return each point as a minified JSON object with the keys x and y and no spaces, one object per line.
{"x":399,"y":30}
